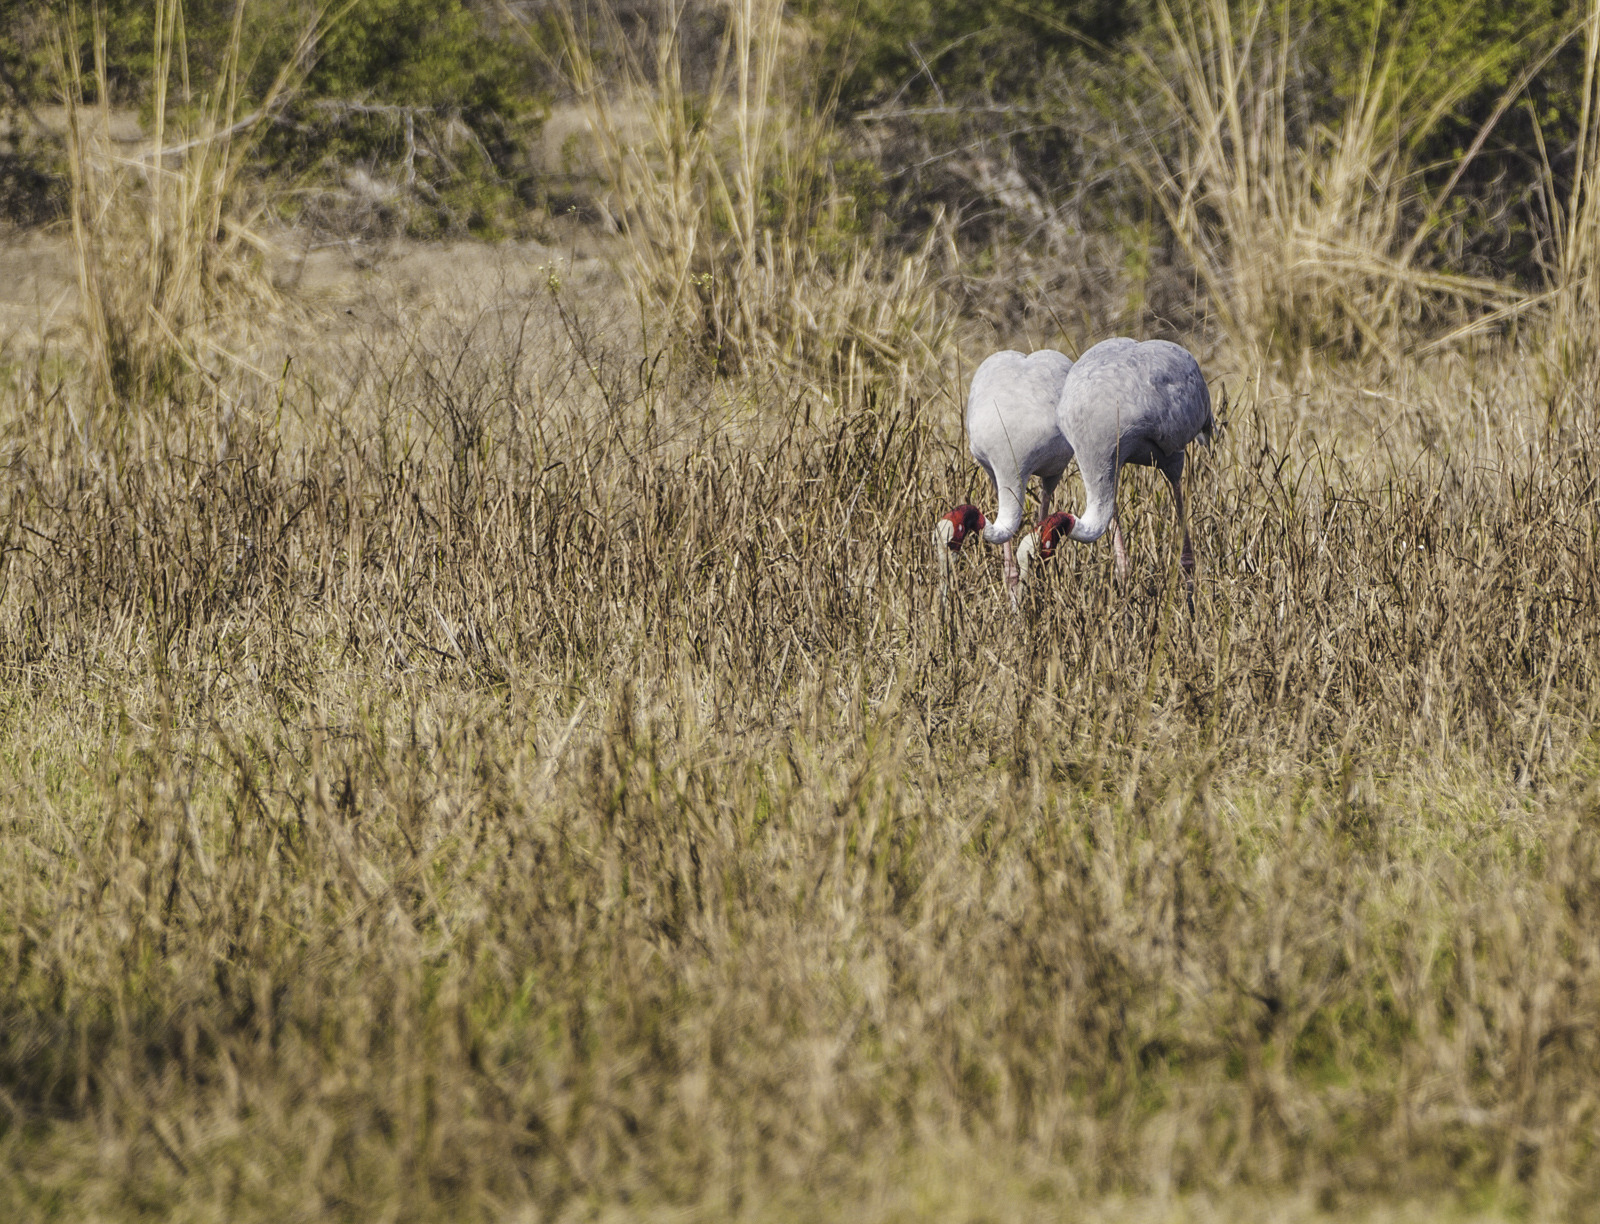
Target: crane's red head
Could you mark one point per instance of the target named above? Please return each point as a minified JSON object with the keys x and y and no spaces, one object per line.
{"x":964,"y":519}
{"x":1053,"y":528}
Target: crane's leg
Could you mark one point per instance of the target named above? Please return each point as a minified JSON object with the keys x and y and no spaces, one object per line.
{"x":1174,"y":475}
{"x":1011,"y":497}
{"x":1047,"y":491}
{"x":1118,"y":548}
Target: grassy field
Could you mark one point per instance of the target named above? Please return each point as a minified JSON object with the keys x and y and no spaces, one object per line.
{"x":481,"y":738}
{"x":496,"y":770}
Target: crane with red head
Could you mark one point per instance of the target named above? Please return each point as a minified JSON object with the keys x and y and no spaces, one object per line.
{"x":1127,"y":402}
{"x":1012,"y":432}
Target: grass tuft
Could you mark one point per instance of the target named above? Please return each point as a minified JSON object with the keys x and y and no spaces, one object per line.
{"x":166,"y":236}
{"x":742,"y":232}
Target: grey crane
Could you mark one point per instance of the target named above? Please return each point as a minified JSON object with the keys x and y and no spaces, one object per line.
{"x":1013,"y":432}
{"x":1127,"y":402}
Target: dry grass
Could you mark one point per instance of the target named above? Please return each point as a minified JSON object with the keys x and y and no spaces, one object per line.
{"x":1309,"y":233}
{"x":497,"y":769}
{"x":510,"y":774}
{"x":741,"y":235}
{"x":165,"y":234}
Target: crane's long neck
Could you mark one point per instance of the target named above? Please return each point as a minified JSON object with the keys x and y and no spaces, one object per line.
{"x":943,"y":532}
{"x":1100,"y":492}
{"x":1093,"y":523}
{"x":1007,"y":519}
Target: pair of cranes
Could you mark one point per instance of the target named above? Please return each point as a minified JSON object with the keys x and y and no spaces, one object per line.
{"x":1121,"y":402}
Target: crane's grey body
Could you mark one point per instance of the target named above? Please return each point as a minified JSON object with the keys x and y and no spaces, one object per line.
{"x":1130,"y":402}
{"x":1013,"y":433}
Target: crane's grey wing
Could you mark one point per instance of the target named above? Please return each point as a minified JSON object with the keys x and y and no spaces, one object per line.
{"x":1097,"y":397}
{"x":1012,"y":429}
{"x":1178,"y":399}
{"x":1107,"y":349}
{"x":1041,"y":376}
{"x":1124,"y":397}
{"x":1029,"y":382}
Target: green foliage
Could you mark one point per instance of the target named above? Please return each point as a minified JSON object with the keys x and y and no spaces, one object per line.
{"x":1429,"y":38}
{"x":453,"y":98}
{"x":927,"y":48}
{"x":30,"y":189}
{"x":442,"y":53}
{"x":437,"y":53}
{"x":436,"y":98}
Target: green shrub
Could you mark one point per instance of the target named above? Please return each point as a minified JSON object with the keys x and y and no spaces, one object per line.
{"x":434,"y":100}
{"x":953,"y":50}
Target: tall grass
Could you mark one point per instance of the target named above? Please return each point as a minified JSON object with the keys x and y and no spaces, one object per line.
{"x":1309,"y":232}
{"x":1575,"y":234}
{"x":166,"y":238}
{"x":584,"y":807}
{"x":739,"y":228}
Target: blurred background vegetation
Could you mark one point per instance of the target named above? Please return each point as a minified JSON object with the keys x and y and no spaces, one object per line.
{"x":415,"y":114}
{"x":1017,"y":120}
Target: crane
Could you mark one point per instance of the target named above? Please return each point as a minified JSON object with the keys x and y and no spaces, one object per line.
{"x":1013,"y":432}
{"x":1127,"y":402}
